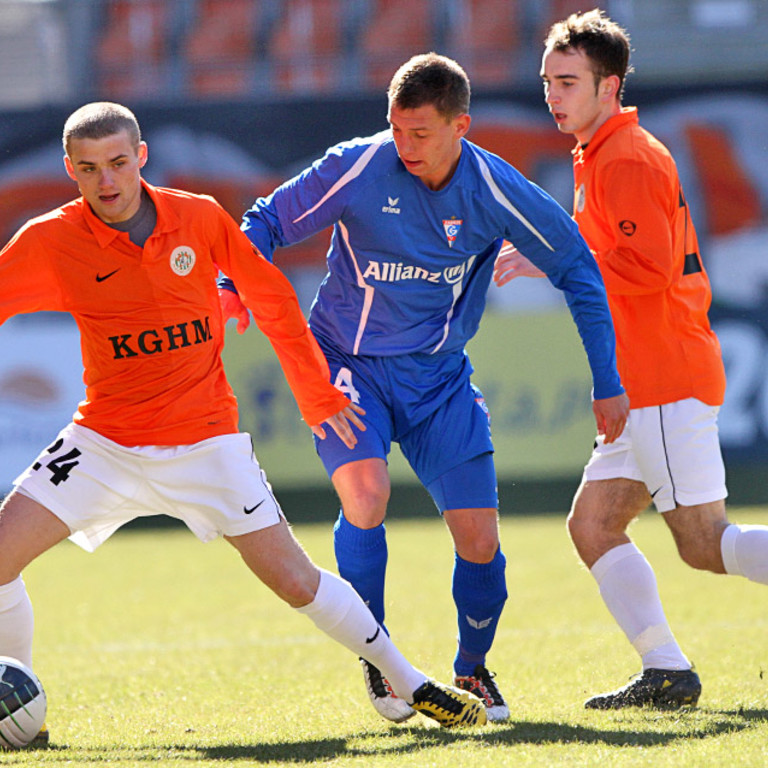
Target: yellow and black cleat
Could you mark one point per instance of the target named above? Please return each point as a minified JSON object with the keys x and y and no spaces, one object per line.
{"x":41,"y":741}
{"x":448,"y":706}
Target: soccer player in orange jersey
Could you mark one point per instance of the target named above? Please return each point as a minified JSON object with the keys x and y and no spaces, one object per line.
{"x":136,"y":266}
{"x":631,"y":209}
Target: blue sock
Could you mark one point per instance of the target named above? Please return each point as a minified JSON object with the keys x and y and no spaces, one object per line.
{"x":479,"y":591}
{"x":361,"y":557}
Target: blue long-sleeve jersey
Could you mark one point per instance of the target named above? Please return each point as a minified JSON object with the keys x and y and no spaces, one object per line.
{"x":409,"y":268}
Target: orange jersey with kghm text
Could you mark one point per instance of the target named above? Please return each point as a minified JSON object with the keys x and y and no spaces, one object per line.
{"x":630,"y":208}
{"x":150,"y":323}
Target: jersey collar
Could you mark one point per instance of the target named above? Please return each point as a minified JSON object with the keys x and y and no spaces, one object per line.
{"x":167,"y":219}
{"x":627,"y":116}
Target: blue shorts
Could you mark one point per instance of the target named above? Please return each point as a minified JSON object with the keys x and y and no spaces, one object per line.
{"x":428,"y":405}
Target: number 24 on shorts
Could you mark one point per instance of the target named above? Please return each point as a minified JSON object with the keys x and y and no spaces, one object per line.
{"x":60,"y":466}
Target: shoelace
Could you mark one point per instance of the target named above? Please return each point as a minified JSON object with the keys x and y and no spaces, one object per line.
{"x":443,"y":699}
{"x":493,"y":693}
{"x":378,"y":683}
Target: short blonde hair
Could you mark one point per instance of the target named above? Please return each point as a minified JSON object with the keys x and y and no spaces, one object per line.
{"x":98,"y":120}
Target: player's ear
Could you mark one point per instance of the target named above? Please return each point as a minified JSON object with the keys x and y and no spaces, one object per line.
{"x":462,"y":125}
{"x":609,"y":87}
{"x":142,"y":153}
{"x":70,"y":168}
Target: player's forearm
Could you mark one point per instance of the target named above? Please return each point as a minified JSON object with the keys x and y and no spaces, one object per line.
{"x":315,"y":396}
{"x":587,"y":300}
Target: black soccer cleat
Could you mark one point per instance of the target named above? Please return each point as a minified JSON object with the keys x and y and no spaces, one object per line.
{"x":659,"y":688}
{"x":482,"y":684}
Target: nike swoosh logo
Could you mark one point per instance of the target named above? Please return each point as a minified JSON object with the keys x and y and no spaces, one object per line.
{"x":653,"y":495}
{"x":102,"y":278}
{"x":255,"y":506}
{"x":375,"y":635}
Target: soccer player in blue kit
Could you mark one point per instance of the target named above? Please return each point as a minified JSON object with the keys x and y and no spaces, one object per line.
{"x":419,"y":214}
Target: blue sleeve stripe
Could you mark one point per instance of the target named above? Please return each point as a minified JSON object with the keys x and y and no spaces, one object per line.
{"x":500,"y":198}
{"x":349,"y":176}
{"x":369,"y":290}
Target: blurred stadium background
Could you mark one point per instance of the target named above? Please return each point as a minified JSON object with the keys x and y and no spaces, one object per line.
{"x":235,"y":96}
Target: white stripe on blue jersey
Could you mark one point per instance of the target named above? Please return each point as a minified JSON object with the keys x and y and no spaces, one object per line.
{"x":409,"y":267}
{"x":497,"y":193}
{"x":368,"y":291}
{"x":351,"y":174}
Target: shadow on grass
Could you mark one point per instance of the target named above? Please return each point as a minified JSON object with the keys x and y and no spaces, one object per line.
{"x":405,"y":740}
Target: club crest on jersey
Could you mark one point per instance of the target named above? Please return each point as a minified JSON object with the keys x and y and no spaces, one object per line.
{"x":452,"y":227}
{"x":484,"y":408}
{"x":182,"y":260}
{"x":581,"y":198}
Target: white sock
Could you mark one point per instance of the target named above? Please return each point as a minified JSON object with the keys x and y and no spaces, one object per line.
{"x":745,"y":551}
{"x":340,"y":612}
{"x":628,"y":588}
{"x":16,"y":622}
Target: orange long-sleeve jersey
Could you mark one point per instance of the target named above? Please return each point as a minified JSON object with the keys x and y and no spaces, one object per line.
{"x":630,"y":208}
{"x":150,"y":323}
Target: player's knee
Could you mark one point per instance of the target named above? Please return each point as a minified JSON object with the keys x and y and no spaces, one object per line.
{"x":592,"y":537}
{"x":488,"y":545}
{"x":366,"y":506}
{"x":587,"y":523}
{"x":580,"y":528}
{"x":481,"y":547}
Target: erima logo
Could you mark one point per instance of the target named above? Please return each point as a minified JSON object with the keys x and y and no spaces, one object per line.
{"x":392,"y":205}
{"x":479,"y":624}
{"x":395,"y":271}
{"x":152,"y":341}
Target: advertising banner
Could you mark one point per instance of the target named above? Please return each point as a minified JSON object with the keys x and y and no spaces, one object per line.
{"x":528,"y":359}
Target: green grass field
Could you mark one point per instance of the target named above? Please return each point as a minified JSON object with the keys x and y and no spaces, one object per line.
{"x":159,"y":650}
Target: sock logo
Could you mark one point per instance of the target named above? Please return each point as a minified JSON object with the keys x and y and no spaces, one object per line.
{"x":478,"y":624}
{"x":369,"y":640}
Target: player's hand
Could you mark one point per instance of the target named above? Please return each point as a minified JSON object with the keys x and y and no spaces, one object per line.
{"x":510,"y":263}
{"x":340,"y":423}
{"x":232,"y":307}
{"x":611,"y":415}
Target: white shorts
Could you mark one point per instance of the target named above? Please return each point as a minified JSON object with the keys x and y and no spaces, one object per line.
{"x":94,"y":485}
{"x":673,"y":449}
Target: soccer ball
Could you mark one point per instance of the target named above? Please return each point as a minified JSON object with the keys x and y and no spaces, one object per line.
{"x":22,"y":704}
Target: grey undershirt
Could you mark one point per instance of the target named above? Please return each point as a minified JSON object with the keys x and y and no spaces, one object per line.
{"x":141,"y":225}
